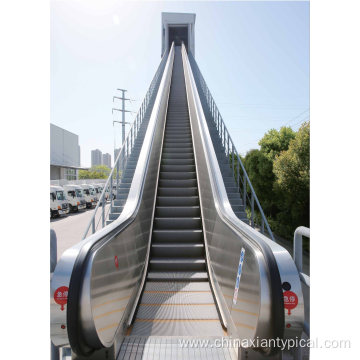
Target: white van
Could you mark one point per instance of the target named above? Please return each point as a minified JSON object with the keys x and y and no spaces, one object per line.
{"x":94,"y":193}
{"x":58,"y":203}
{"x":89,"y":195}
{"x":99,"y":189}
{"x":107,"y":192}
{"x":75,"y":197}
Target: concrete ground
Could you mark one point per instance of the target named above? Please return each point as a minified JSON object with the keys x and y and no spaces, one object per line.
{"x":70,"y":228}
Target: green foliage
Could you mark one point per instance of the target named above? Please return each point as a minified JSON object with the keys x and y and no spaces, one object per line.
{"x":260,"y":171}
{"x":280,"y":175}
{"x":95,"y":172}
{"x":274,"y":142}
{"x":292,"y":171}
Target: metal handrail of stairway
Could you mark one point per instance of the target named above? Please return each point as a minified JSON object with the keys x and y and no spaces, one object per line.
{"x":125,"y":150}
{"x":239,"y":172}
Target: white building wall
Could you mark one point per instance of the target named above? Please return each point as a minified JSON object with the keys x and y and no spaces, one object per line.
{"x":107,"y":160}
{"x":64,"y":147}
{"x":96,"y":157}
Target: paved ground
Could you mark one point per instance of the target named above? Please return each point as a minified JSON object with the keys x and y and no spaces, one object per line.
{"x":70,"y":228}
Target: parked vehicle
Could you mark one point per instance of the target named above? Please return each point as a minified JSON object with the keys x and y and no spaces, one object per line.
{"x":114,"y":192}
{"x":107,"y":192}
{"x":94,"y":193}
{"x":89,"y":195}
{"x":99,"y":189}
{"x":58,"y":203}
{"x":75,"y":197}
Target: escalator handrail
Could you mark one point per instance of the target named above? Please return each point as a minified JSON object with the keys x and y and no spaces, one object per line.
{"x":214,"y":110}
{"x":225,"y":211}
{"x":70,"y":269}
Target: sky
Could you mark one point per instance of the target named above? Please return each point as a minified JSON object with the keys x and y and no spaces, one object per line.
{"x":253,"y":55}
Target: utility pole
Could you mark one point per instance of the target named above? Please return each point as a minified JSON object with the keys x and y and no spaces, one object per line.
{"x":122,"y":110}
{"x":123,"y":122}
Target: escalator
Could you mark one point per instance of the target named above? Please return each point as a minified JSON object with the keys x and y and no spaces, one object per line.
{"x":177,"y":300}
{"x":168,"y":267}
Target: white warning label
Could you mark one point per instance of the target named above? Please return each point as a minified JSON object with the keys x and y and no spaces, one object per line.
{"x":238,"y":276}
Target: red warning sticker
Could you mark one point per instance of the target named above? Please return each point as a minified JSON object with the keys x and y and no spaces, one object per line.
{"x":116,"y":260}
{"x":61,"y":296}
{"x":290,"y":301}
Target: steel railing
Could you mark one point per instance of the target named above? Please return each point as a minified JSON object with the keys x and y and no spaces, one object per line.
{"x":124,"y":153}
{"x":298,"y":258}
{"x":251,"y":203}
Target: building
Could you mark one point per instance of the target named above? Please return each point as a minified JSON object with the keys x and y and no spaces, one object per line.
{"x":106,"y":160}
{"x":177,"y":27}
{"x":116,"y":153}
{"x":96,"y":157}
{"x":64,"y":154}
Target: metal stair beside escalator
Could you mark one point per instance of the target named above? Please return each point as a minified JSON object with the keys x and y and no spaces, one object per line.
{"x":231,"y":186}
{"x":127,"y":177}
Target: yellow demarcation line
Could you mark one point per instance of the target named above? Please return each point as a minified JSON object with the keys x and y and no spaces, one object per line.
{"x":108,"y":313}
{"x":108,"y":327}
{"x":245,"y":312}
{"x":163,"y":320}
{"x":243,"y":300}
{"x":245,"y":325}
{"x":176,"y":304}
{"x":111,"y":301}
{"x":168,"y":320}
{"x":172,"y":292}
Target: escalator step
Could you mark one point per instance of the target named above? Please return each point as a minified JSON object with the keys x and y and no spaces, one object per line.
{"x":177,"y":264}
{"x":180,"y":191}
{"x":177,"y":223}
{"x":189,"y":250}
{"x":177,"y":200}
{"x":177,"y":211}
{"x":177,"y":276}
{"x":177,"y":175}
{"x":177,"y":183}
{"x":177,"y":235}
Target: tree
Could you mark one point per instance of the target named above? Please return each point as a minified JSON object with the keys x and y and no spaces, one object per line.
{"x":95,"y":172}
{"x":274,"y":142}
{"x":280,"y":175}
{"x":84,"y":174}
{"x":292,"y":171}
{"x":260,"y":171}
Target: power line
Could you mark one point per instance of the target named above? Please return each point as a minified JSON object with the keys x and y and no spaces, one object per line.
{"x":297,"y":116}
{"x":306,"y":118}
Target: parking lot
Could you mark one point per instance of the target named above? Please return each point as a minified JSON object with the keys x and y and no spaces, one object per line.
{"x":70,"y":228}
